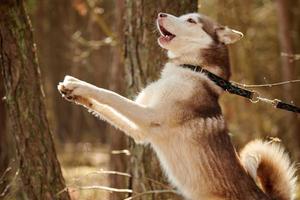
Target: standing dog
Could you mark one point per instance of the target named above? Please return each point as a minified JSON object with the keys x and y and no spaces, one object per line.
{"x":179,"y":115}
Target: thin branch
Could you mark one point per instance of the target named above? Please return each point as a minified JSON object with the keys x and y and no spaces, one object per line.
{"x":4,"y":192}
{"x":110,"y":172}
{"x":117,"y":173}
{"x":109,"y":189}
{"x":98,"y":187}
{"x":93,"y":44}
{"x":73,"y":185}
{"x":267,"y":84}
{"x":6,"y":189}
{"x":128,"y":175}
{"x":4,"y":174}
{"x":151,"y":192}
{"x":291,"y":56}
{"x":123,"y":151}
{"x":158,"y":183}
{"x":100,"y":21}
{"x":100,"y":172}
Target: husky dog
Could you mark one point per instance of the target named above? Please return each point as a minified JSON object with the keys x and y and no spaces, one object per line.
{"x":180,"y":117}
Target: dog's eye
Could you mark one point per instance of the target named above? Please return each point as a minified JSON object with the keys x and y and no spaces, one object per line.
{"x":190,"y":20}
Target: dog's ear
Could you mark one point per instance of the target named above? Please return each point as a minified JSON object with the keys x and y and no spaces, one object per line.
{"x":227,"y":35}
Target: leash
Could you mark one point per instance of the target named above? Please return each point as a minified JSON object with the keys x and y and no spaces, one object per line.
{"x":253,"y":96}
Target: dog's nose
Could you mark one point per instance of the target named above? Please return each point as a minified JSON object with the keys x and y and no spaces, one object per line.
{"x":162,"y":15}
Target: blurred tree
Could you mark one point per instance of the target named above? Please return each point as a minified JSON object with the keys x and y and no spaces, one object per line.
{"x":52,"y":24}
{"x":38,"y":168}
{"x":69,"y":38}
{"x":118,"y":140}
{"x":256,"y":59}
{"x":4,"y":157}
{"x":91,"y":55}
{"x":285,"y":33}
{"x":143,"y":62}
{"x":286,"y":43}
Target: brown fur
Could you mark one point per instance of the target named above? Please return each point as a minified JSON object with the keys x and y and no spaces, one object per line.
{"x":216,"y":59}
{"x":271,"y":167}
{"x":216,"y":56}
{"x":225,"y":177}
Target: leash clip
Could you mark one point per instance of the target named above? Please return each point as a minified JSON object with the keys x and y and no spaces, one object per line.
{"x":268,"y":101}
{"x":257,"y":98}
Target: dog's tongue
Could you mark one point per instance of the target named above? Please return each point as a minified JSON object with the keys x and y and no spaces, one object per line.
{"x":166,"y":38}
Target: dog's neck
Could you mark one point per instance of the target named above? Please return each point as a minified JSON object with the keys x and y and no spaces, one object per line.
{"x":215,"y":59}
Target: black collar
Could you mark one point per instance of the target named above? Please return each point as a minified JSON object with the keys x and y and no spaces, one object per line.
{"x":233,"y":89}
{"x":224,"y":84}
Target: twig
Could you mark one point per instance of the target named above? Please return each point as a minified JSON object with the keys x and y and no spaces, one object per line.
{"x":111,"y":172}
{"x":93,"y":44}
{"x":4,"y":174}
{"x":127,"y":175}
{"x":117,"y":173}
{"x":6,"y":189}
{"x":99,"y":187}
{"x":73,"y":185}
{"x":267,"y":84}
{"x":151,"y":192}
{"x":100,"y":21}
{"x":110,"y":189}
{"x":100,"y":172}
{"x":291,"y":56}
{"x":4,"y":192}
{"x":158,"y":183}
{"x":123,"y":151}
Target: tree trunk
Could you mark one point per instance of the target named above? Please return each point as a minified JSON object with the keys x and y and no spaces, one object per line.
{"x":143,"y":62}
{"x":288,"y":73}
{"x":285,"y":39}
{"x":4,"y":148}
{"x":55,"y":23}
{"x":118,"y":140}
{"x":56,"y":58}
{"x":3,"y":136}
{"x":39,"y":169}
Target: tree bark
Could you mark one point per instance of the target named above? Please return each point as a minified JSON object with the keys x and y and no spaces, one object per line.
{"x":118,"y":140}
{"x":39,"y":169}
{"x":288,"y":72}
{"x":56,"y":57}
{"x":55,"y":23}
{"x":3,"y":136}
{"x":143,"y":62}
{"x":285,"y":39}
{"x":4,"y":148}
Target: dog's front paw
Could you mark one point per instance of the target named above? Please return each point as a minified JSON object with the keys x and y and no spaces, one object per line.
{"x":65,"y":92}
{"x":71,"y":78}
{"x":71,"y":88}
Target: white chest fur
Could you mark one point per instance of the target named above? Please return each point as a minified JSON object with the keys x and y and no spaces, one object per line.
{"x":173,"y":142}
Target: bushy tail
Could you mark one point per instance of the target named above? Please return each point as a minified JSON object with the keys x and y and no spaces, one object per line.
{"x":270,"y":166}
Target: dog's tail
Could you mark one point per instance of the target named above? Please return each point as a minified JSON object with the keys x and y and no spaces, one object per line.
{"x":270,"y":166}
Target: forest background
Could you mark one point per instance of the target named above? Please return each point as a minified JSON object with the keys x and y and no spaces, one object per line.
{"x":109,"y":43}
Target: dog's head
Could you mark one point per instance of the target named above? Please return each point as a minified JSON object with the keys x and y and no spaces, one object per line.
{"x":191,"y":32}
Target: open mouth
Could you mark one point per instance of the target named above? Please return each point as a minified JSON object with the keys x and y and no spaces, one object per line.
{"x":165,"y":34}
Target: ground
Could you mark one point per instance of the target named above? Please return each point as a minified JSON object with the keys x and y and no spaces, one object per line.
{"x":85,"y":168}
{"x":83,"y":165}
